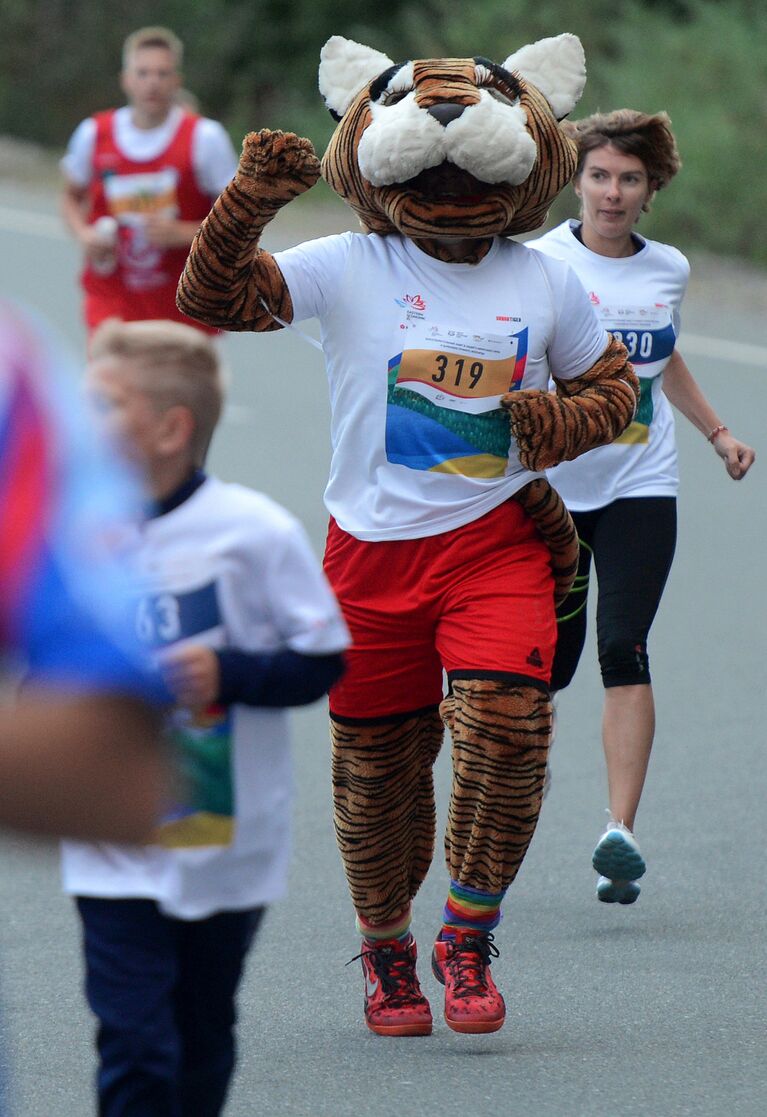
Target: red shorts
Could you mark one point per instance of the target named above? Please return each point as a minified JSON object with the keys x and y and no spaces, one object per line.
{"x":476,"y":599}
{"x":134,"y":306}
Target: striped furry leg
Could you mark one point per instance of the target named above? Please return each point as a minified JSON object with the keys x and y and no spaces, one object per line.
{"x":500,"y":731}
{"x":383,"y":808}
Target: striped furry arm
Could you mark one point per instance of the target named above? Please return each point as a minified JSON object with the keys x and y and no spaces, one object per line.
{"x":590,"y":410}
{"x":227,"y":275}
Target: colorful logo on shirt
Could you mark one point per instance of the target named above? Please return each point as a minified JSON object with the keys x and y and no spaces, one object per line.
{"x":649,"y":336}
{"x":416,"y":302}
{"x":131,"y":198}
{"x":201,"y":741}
{"x":638,"y":431}
{"x":443,"y":413}
{"x":204,"y":815}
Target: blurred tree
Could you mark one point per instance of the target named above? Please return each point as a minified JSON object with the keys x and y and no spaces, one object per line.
{"x":253,"y":63}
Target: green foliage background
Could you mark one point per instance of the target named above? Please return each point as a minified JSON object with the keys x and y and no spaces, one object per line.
{"x":254,"y":64}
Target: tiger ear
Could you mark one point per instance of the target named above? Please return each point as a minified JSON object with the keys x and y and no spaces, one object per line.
{"x":557,"y":67}
{"x":345,"y":67}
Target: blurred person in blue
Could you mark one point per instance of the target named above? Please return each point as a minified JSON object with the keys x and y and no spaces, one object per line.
{"x":79,"y":746}
{"x":237,"y":610}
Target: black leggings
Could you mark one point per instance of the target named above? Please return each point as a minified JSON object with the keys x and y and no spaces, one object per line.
{"x":633,"y":542}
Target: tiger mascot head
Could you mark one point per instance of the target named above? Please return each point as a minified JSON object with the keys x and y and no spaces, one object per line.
{"x":455,"y":147}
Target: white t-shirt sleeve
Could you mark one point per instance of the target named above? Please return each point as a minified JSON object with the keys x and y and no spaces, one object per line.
{"x":213,"y":157}
{"x":304,"y":609}
{"x":77,"y":163}
{"x":578,"y":339}
{"x":684,"y":277}
{"x":313,"y":272}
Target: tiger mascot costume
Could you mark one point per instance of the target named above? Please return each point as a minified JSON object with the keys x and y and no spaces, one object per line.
{"x":446,"y":547}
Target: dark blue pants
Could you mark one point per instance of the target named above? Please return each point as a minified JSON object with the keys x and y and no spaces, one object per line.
{"x":163,"y":991}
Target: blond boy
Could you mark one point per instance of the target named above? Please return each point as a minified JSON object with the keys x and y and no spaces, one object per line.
{"x":237,"y":609}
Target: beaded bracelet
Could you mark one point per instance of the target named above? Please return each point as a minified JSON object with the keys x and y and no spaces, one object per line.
{"x":717,"y":430}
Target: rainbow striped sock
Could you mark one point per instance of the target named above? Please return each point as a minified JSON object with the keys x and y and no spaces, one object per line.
{"x":396,"y":928}
{"x":469,"y":909}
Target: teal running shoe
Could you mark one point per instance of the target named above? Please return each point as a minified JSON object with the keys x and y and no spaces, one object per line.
{"x":620,"y":864}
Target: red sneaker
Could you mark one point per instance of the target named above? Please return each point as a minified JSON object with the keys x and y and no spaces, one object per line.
{"x":462,"y":965}
{"x":394,"y":1003}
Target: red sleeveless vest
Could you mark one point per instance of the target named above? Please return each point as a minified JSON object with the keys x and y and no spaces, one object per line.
{"x":143,"y":285}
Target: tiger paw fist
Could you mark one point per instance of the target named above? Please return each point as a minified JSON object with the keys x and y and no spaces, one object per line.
{"x":531,"y":415}
{"x":279,"y":158}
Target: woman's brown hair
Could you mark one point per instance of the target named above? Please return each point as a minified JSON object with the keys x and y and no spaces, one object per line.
{"x":648,"y":137}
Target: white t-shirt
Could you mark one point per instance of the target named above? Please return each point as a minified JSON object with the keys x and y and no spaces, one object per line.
{"x":213,"y":156}
{"x":638,"y":299}
{"x":418,"y":353}
{"x":227,"y":568}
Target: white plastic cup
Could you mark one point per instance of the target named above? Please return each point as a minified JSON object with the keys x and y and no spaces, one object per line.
{"x":106,"y":231}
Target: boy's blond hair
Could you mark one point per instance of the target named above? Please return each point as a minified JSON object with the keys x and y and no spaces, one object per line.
{"x":153,"y":37}
{"x":177,"y":365}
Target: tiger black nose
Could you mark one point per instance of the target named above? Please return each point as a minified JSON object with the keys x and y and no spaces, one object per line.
{"x":446,"y":111}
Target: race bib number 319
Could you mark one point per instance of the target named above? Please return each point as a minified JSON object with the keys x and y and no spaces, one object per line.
{"x":443,"y":405}
{"x":468,"y":372}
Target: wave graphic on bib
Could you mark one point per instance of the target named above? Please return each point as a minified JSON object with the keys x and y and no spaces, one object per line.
{"x":443,"y":413}
{"x":203,"y":753}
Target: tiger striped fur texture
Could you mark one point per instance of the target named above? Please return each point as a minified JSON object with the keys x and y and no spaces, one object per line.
{"x":417,"y":207}
{"x":228,"y":280}
{"x":500,"y":733}
{"x":546,"y":509}
{"x":383,"y":793}
{"x":383,"y":808}
{"x":451,"y":153}
{"x":590,"y":410}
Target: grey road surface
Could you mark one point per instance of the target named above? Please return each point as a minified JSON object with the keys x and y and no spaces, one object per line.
{"x":656,"y":1010}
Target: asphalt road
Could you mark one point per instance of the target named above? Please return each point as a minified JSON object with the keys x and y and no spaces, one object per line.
{"x":657,"y":1010}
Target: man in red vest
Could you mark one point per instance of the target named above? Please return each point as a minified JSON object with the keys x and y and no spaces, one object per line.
{"x":139,"y":180}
